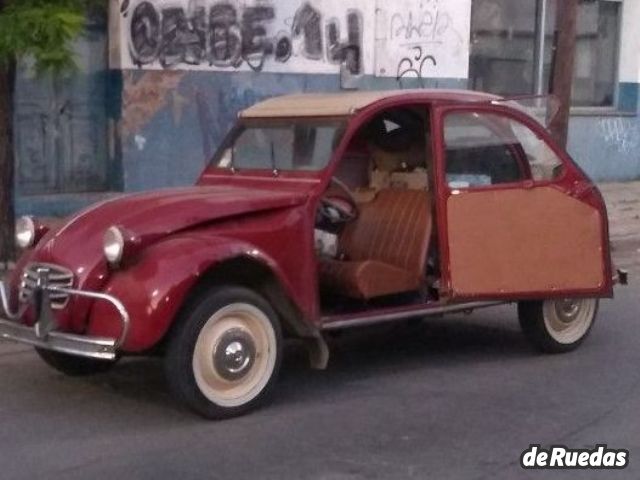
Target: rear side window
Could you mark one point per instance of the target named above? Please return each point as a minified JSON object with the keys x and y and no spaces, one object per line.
{"x":484,"y":149}
{"x":543,"y":161}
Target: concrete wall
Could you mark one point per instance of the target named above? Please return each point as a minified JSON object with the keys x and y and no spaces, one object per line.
{"x":168,"y":140}
{"x":607,"y":143}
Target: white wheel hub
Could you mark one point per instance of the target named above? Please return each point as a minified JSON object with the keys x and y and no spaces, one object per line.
{"x":235,"y":355}
{"x":568,"y":320}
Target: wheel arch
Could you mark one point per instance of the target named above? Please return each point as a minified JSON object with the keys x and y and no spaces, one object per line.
{"x":168,"y":276}
{"x":256,"y":274}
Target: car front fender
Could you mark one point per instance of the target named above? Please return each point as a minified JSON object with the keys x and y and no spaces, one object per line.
{"x":155,"y":287}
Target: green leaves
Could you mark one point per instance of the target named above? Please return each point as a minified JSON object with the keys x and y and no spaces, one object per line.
{"x":43,"y":30}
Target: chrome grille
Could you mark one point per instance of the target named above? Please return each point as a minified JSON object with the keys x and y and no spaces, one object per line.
{"x":57,"y":277}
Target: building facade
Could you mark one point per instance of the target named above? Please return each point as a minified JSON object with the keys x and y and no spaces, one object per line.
{"x":160,"y":81}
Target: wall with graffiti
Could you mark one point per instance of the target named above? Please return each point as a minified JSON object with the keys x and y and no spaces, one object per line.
{"x":189,"y":66}
{"x":422,"y":38}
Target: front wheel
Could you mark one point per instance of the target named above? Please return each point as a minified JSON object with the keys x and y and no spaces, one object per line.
{"x":225,"y":354}
{"x":557,"y":326}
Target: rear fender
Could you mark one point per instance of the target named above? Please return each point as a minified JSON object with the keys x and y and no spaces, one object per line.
{"x":155,"y":288}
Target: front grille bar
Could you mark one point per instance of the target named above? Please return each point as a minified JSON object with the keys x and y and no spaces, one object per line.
{"x":56,"y":276}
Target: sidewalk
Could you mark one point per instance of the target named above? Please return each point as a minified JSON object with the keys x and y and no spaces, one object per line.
{"x":623,"y":203}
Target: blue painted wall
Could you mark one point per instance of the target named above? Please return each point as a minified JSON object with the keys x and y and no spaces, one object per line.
{"x":174,"y":146}
{"x":607,"y":146}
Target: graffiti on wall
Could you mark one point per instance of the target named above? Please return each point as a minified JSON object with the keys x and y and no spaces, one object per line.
{"x":620,"y":133}
{"x":423,"y":38}
{"x":290,"y":36}
{"x":405,"y":38}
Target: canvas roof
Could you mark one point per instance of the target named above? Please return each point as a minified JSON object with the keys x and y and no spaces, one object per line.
{"x":346,"y":103}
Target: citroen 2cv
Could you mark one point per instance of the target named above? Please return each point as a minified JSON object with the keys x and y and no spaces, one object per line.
{"x":319,"y":212}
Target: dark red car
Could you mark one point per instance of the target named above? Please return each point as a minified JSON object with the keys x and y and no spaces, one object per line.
{"x":319,"y":212}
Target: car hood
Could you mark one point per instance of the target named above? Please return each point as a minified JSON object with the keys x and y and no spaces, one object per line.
{"x":154,"y":215}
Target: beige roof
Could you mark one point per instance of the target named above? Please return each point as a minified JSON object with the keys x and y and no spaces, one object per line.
{"x":342,"y":104}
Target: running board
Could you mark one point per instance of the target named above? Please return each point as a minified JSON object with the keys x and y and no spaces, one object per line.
{"x":362,"y":321}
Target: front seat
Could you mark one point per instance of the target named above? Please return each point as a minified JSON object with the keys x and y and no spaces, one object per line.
{"x":385,"y":249}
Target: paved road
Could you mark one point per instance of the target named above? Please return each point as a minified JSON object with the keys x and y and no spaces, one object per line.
{"x":456,"y":397}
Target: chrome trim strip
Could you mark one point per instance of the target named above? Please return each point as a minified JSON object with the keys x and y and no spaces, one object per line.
{"x":374,"y":319}
{"x":91,"y":347}
{"x":117,"y":304}
{"x":5,"y":305}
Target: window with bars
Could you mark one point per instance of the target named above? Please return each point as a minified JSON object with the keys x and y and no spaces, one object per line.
{"x":512,"y":48}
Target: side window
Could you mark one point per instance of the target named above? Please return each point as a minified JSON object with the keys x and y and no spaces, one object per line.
{"x":543,"y":161}
{"x":481,"y":150}
{"x":489,"y":149}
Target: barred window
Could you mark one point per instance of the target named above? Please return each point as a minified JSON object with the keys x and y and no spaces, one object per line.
{"x":512,"y":48}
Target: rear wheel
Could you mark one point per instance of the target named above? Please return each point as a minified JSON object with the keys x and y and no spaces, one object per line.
{"x":72,"y":365}
{"x":557,"y":326}
{"x":225,"y":355}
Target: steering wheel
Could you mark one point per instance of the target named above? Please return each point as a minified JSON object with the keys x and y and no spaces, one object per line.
{"x":341,"y":207}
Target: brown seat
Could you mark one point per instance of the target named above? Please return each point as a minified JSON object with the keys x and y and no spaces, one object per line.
{"x":385,"y":249}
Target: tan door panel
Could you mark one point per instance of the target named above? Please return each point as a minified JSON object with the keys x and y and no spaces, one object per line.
{"x":523,"y":241}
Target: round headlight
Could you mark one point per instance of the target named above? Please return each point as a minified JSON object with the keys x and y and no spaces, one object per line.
{"x":113,"y":245}
{"x":25,"y":232}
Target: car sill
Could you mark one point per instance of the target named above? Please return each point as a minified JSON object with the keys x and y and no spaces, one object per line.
{"x":339,"y":323}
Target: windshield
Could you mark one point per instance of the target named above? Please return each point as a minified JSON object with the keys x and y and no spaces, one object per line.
{"x":305,"y":145}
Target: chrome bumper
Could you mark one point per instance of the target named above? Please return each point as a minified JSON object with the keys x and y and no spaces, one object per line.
{"x":44,"y":334}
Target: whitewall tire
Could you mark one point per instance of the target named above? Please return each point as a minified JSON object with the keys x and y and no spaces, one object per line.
{"x":225,"y":355}
{"x":559,"y":325}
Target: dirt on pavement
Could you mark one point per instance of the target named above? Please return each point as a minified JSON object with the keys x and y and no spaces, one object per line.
{"x":623,"y":204}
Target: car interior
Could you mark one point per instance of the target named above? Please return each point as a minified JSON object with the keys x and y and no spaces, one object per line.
{"x":375,"y":238}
